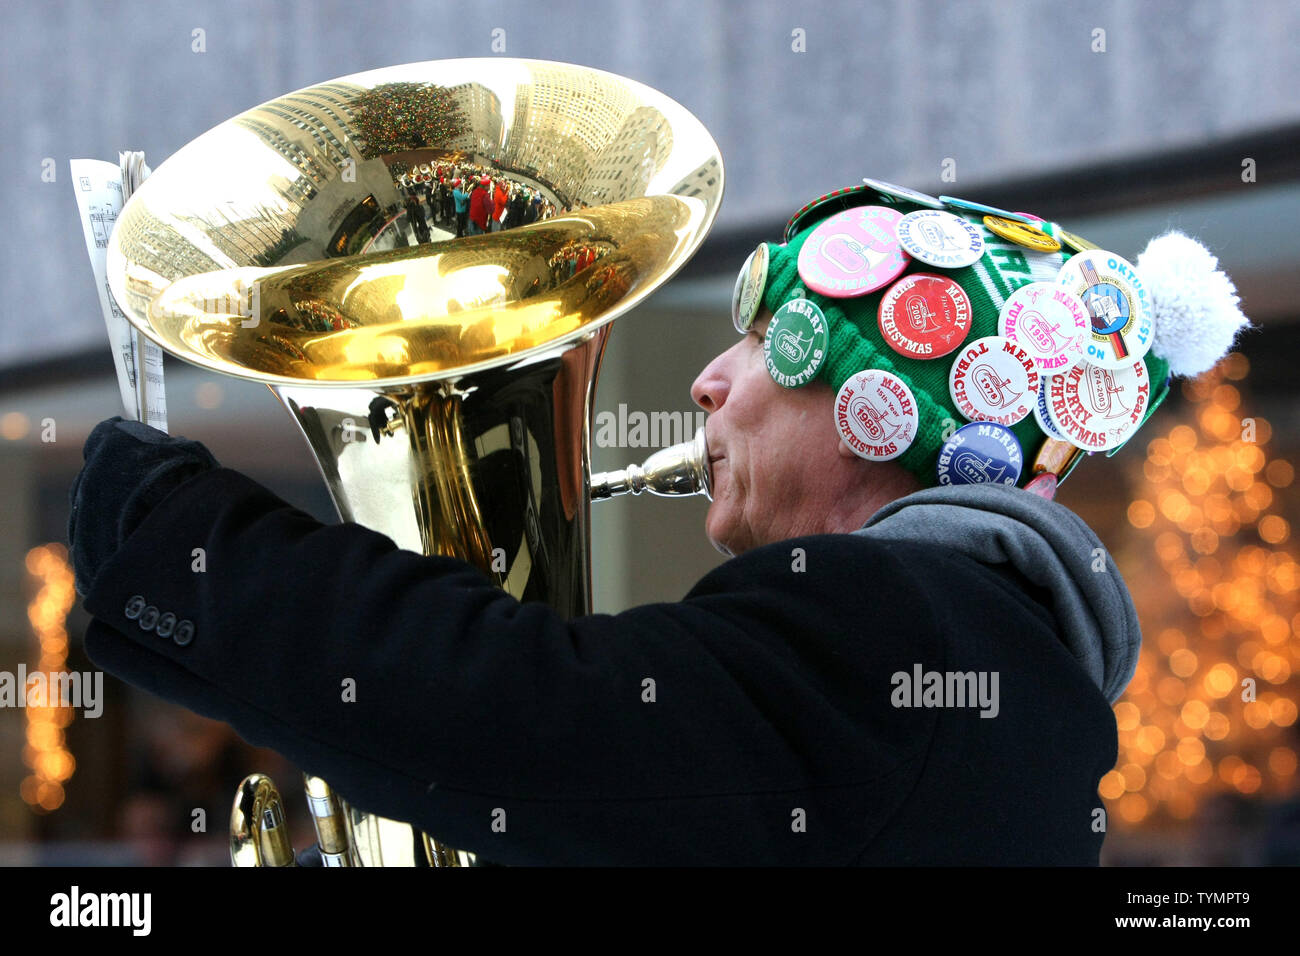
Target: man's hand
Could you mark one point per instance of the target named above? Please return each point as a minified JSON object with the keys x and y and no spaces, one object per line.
{"x":130,"y":467}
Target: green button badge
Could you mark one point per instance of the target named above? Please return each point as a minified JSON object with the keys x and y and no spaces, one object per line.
{"x":796,"y":343}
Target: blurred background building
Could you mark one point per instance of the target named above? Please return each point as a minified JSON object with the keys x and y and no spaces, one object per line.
{"x":1118,"y":120}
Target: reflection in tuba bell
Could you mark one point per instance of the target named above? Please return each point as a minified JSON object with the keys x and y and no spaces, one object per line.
{"x":441,"y":366}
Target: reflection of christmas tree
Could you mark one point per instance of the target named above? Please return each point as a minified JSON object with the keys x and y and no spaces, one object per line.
{"x":395,"y":117}
{"x":1215,"y":585}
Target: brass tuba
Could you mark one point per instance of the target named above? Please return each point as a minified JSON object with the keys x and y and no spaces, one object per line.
{"x":443,"y":376}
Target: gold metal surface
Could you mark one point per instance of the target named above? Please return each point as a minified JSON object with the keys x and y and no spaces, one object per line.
{"x":258,"y":834}
{"x":277,"y":246}
{"x":444,"y":383}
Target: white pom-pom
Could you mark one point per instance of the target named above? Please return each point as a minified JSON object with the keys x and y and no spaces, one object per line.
{"x":1194,"y":305}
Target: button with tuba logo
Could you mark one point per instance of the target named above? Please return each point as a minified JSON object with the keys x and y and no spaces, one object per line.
{"x":876,"y":415}
{"x":853,"y":252}
{"x":1117,"y":304}
{"x":980,"y":453}
{"x":1098,"y":408}
{"x":1040,"y":410}
{"x":924,"y":316}
{"x":1049,"y":322}
{"x":993,"y":380}
{"x":939,"y":238}
{"x":796,"y":343}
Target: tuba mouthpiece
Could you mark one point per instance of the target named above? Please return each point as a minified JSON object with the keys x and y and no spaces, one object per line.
{"x":677,"y":470}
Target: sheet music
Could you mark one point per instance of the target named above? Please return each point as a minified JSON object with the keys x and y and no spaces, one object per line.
{"x":150,"y":393}
{"x":100,"y":196}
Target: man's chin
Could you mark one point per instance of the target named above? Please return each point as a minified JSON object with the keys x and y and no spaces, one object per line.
{"x":716,"y":538}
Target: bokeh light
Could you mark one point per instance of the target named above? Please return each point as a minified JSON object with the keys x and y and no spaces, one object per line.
{"x":1212,"y":704}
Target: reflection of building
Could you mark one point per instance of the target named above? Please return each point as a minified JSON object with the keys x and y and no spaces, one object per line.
{"x":142,"y":233}
{"x":482,"y":109}
{"x":313,"y":129}
{"x":700,"y":181}
{"x":629,"y":161}
{"x":558,"y":128}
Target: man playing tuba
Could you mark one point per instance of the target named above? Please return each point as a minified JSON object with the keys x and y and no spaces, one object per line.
{"x":889,"y":637}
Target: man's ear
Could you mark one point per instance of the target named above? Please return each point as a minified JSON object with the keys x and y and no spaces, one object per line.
{"x":844,"y":450}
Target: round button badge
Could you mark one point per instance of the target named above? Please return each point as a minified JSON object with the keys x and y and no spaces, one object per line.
{"x":1022,"y":233}
{"x":1098,"y":408}
{"x":939,"y":238}
{"x":796,"y":343}
{"x":993,"y":380}
{"x":747,"y":297}
{"x":979,"y":207}
{"x":1040,"y":410}
{"x":980,"y":453}
{"x":834,"y":201}
{"x":1116,"y":301}
{"x":1077,"y":243}
{"x":876,"y":415}
{"x":924,"y":316}
{"x":852,"y":253}
{"x":903,"y":193}
{"x":1049,"y":322}
{"x":1057,"y":457}
{"x":1043,"y":485}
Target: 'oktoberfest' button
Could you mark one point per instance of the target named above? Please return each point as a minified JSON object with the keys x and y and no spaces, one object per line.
{"x":796,"y":343}
{"x":876,"y":415}
{"x":978,"y":453}
{"x":1116,"y":301}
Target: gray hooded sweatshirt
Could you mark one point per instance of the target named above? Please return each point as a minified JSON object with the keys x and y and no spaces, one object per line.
{"x":1046,"y":542}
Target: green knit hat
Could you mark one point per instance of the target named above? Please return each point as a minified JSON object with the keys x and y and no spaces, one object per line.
{"x":857,"y":344}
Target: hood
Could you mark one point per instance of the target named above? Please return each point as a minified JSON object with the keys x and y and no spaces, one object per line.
{"x":1046,"y":542}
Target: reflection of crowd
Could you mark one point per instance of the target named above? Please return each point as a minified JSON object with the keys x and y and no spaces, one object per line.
{"x":467,"y":200}
{"x":572,"y":258}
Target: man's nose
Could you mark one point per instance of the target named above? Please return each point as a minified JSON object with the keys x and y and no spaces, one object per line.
{"x":710,"y":387}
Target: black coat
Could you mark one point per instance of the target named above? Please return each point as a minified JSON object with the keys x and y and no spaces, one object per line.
{"x":772,"y":736}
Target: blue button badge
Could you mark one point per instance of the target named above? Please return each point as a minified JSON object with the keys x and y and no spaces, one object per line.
{"x":980,"y":452}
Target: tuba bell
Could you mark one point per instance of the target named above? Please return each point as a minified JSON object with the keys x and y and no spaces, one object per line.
{"x":442,"y":374}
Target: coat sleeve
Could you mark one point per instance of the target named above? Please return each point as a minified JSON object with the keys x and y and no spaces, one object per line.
{"x":746,"y":724}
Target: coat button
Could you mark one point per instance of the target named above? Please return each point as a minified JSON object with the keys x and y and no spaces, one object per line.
{"x":134,"y":607}
{"x":148,"y":618}
{"x":184,"y":633}
{"x":166,"y":624}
